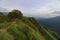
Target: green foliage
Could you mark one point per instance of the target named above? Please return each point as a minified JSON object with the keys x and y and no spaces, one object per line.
{"x":18,"y":35}
{"x":43,"y":30}
{"x":15,"y":14}
{"x":3,"y":18}
{"x":25,"y":20}
{"x":5,"y":36}
{"x":24,"y":33}
{"x":4,"y":25}
{"x":23,"y":29}
{"x":56,"y":35}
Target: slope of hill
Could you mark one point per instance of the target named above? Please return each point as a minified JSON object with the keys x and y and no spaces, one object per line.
{"x":51,"y":23}
{"x":15,"y":26}
{"x":24,"y":29}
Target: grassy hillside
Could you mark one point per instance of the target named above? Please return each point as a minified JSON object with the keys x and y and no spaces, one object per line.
{"x":25,"y":29}
{"x":49,"y":35}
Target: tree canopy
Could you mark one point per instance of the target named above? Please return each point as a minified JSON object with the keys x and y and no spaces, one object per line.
{"x":15,"y":14}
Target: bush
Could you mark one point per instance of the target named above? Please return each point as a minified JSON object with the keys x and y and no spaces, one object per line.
{"x":15,"y":14}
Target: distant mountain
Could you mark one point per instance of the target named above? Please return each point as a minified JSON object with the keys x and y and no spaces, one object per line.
{"x":3,"y":9}
{"x":51,"y":23}
{"x":56,"y":12}
{"x":5,"y":13}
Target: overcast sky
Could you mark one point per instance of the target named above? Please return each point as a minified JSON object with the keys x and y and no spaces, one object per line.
{"x":41,"y":8}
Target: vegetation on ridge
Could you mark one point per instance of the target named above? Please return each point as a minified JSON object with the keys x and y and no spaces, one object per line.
{"x":17,"y":27}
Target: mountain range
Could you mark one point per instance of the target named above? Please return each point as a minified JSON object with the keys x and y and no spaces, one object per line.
{"x":51,"y":23}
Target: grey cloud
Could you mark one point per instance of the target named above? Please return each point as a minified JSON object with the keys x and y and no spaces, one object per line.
{"x":56,"y":12}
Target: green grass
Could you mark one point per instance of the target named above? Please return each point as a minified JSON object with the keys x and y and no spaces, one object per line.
{"x":44,"y":31}
{"x":5,"y":36}
{"x":22,"y":32}
{"x":54,"y":34}
{"x":16,"y":33}
{"x":25,"y":29}
{"x":4,"y":25}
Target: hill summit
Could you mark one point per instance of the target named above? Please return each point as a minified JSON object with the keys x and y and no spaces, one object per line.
{"x":15,"y":26}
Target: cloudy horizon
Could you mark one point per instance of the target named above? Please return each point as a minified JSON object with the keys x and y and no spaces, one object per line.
{"x":41,"y":8}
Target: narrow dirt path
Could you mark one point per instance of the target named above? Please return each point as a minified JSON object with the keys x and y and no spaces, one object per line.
{"x":2,"y":30}
{"x":6,"y":28}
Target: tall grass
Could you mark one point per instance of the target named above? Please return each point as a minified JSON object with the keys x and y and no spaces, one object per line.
{"x":5,"y":24}
{"x":5,"y":36}
{"x":24,"y":33}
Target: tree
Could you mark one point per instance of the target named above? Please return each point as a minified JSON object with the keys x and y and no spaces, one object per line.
{"x":15,"y":14}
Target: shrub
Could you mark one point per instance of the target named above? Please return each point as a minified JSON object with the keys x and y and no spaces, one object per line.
{"x":15,"y":14}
